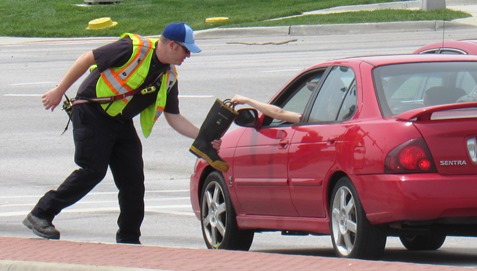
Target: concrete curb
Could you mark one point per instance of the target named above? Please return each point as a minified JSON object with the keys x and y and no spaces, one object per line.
{"x":331,"y":29}
{"x":295,"y":30}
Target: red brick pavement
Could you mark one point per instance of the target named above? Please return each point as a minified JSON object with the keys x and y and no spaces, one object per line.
{"x":67,"y":254}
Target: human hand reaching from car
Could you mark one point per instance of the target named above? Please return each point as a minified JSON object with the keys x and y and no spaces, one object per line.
{"x":239,"y":99}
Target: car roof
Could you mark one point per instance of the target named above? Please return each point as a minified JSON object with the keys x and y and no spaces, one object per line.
{"x":397,"y":59}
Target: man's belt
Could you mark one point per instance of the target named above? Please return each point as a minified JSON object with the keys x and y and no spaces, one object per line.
{"x":69,"y":103}
{"x":110,"y":99}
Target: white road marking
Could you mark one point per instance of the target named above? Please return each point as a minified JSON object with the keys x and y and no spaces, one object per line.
{"x":23,"y":95}
{"x":97,"y":202}
{"x":31,"y":83}
{"x":196,"y":96}
{"x":154,"y":203}
{"x":149,"y":209}
{"x":284,"y":70}
{"x":97,"y":193}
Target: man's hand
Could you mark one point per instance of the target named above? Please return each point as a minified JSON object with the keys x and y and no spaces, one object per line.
{"x":216,"y":144}
{"x":52,"y":98}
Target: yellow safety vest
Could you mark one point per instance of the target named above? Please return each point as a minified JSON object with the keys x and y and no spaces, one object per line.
{"x":130,"y":76}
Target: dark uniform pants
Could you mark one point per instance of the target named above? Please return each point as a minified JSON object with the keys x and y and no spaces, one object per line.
{"x":101,"y":141}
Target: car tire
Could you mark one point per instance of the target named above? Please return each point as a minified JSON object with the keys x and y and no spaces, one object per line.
{"x":351,"y":233}
{"x":422,"y":242}
{"x":218,"y":222}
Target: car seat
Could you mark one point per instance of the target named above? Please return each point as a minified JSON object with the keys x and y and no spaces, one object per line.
{"x":442,"y":95}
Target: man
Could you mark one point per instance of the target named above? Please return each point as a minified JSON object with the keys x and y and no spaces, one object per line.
{"x":131,"y":76}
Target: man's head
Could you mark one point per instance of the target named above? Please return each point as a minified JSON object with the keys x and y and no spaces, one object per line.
{"x":182,"y":34}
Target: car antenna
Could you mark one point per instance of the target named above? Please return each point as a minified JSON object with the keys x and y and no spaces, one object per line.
{"x":443,"y":25}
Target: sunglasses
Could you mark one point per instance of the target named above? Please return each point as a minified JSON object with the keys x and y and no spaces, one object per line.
{"x":183,"y":47}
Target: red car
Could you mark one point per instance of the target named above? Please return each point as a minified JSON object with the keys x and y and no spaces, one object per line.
{"x":455,"y":47}
{"x":387,"y":146}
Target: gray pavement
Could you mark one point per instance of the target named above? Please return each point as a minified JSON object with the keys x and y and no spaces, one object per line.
{"x":35,"y":254}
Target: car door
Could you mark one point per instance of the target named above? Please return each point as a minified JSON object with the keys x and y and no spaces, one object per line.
{"x":261,"y":159}
{"x":312,"y":152}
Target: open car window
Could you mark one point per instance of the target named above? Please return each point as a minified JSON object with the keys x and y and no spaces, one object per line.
{"x":296,"y":96}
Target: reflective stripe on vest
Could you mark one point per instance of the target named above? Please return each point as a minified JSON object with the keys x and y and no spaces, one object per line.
{"x":130,"y":76}
{"x":154,"y":111}
{"x":119,"y":79}
{"x":116,"y":81}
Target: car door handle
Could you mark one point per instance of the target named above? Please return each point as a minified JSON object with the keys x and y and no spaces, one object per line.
{"x":283,"y":143}
{"x":332,"y":141}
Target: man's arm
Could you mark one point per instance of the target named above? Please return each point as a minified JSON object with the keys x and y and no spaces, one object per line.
{"x":182,"y":125}
{"x":53,"y":97}
{"x":186,"y":128}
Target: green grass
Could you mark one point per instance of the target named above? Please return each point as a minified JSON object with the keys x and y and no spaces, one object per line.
{"x":69,"y":18}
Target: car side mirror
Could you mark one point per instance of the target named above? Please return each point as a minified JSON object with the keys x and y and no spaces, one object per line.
{"x":247,"y":117}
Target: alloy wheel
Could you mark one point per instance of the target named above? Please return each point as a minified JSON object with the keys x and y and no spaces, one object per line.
{"x":214,"y":215}
{"x":344,"y":221}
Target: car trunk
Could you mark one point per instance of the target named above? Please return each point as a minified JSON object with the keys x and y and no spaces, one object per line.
{"x":452,"y":144}
{"x":450,"y":131}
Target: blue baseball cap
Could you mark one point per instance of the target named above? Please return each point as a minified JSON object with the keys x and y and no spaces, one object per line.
{"x":182,"y":33}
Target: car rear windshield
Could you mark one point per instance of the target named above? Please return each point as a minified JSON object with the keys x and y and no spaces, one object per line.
{"x":403,"y":87}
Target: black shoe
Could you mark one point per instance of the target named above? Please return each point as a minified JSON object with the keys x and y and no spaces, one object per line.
{"x":41,"y":227}
{"x":128,"y":238}
{"x":132,"y":242}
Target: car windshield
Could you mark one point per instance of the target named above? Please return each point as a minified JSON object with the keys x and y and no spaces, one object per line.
{"x":402,"y":87}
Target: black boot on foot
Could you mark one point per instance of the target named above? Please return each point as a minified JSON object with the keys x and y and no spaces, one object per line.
{"x":41,"y":227}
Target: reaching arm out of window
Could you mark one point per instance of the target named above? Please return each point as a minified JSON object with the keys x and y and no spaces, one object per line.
{"x":268,"y":109}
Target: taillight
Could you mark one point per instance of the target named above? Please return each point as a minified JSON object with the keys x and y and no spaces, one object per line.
{"x":410,"y":157}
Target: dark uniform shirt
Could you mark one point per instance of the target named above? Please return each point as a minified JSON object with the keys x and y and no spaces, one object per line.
{"x":117,"y":54}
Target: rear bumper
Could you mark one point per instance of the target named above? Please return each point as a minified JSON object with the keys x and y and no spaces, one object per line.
{"x":417,"y":197}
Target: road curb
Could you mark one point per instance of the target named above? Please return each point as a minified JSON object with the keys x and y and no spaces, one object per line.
{"x":331,"y":29}
{"x":291,"y":30}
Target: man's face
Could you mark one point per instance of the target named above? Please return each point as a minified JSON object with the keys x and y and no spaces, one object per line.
{"x":172,"y":52}
{"x":178,"y":53}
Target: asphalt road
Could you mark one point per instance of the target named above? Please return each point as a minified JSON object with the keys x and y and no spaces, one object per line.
{"x":35,"y":157}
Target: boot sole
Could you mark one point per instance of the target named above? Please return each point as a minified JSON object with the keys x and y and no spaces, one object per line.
{"x":29,"y":225}
{"x":218,"y":165}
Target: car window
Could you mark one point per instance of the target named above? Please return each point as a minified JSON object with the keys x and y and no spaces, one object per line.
{"x":403,"y":87}
{"x":349,"y":104}
{"x":296,"y":96}
{"x":336,"y":99}
{"x":444,"y":51}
